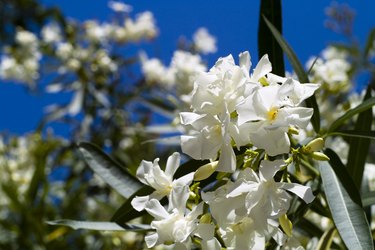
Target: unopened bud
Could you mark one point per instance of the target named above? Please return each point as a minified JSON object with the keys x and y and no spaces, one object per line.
{"x":319,"y":156}
{"x":286,"y":224}
{"x":293,"y":131}
{"x":315,"y":145}
{"x":205,"y":171}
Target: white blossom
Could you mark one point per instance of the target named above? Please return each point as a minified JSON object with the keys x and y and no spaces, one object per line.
{"x":51,"y":33}
{"x":263,"y":194}
{"x":175,"y":224}
{"x":118,"y":6}
{"x":150,"y":174}
{"x":271,"y":110}
{"x":204,"y":42}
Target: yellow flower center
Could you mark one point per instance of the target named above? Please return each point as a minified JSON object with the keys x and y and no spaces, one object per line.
{"x":272,"y":114}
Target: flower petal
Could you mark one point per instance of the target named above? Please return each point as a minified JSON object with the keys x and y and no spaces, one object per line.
{"x":301,"y":191}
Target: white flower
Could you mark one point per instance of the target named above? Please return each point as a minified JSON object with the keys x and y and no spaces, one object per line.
{"x":155,"y":72}
{"x":51,"y":33}
{"x":150,"y":174}
{"x":204,"y":42}
{"x":223,"y":86}
{"x":271,"y":110}
{"x":97,"y":32}
{"x":143,"y":27}
{"x":332,"y":70}
{"x":238,"y":228}
{"x":173,"y":225}
{"x":186,"y":67}
{"x":118,"y":6}
{"x":211,"y":134}
{"x":263,"y":194}
{"x":26,"y":38}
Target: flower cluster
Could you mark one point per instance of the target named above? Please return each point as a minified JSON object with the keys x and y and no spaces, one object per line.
{"x":247,"y":203}
{"x":21,"y":62}
{"x":331,"y":70}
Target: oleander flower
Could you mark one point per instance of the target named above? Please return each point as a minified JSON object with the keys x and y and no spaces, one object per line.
{"x":204,"y":42}
{"x":150,"y":174}
{"x":208,"y":135}
{"x":175,"y":224}
{"x":223,"y":86}
{"x":265,"y":195}
{"x":272,"y":110}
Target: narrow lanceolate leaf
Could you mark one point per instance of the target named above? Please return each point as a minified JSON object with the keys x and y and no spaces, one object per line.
{"x":267,"y":43}
{"x":359,"y":147}
{"x":111,"y":172}
{"x":343,"y":175}
{"x":325,"y":241}
{"x":99,"y":225}
{"x":298,"y":68}
{"x":349,"y":217}
{"x":354,"y":133}
{"x":352,"y":112}
{"x":369,"y":44}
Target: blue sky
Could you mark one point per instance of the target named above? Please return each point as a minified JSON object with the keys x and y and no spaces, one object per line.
{"x":234,"y":23}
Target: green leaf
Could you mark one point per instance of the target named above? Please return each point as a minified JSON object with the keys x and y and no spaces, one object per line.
{"x":99,"y":225}
{"x":325,"y":241}
{"x":369,"y":43}
{"x":349,"y":217}
{"x":350,"y":113}
{"x":267,"y":43}
{"x":115,"y":175}
{"x":126,"y":212}
{"x":354,"y":133}
{"x":359,"y":147}
{"x":301,"y":74}
{"x":368,"y":199}
{"x":343,"y":175}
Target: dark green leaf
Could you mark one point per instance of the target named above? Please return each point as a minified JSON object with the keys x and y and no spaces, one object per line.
{"x":267,"y":43}
{"x":349,"y":217}
{"x":369,"y":43}
{"x":115,"y":175}
{"x":301,"y":74}
{"x":350,"y":113}
{"x":359,"y":147}
{"x":98,"y":225}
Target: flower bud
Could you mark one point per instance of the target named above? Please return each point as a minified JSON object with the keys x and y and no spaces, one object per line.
{"x":286,"y":225}
{"x":315,"y":145}
{"x":205,"y":171}
{"x":319,"y":156}
{"x":293,"y":131}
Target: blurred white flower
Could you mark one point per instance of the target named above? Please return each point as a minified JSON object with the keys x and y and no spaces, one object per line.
{"x":143,"y":27}
{"x":204,"y":42}
{"x":118,"y":6}
{"x":332,"y":70}
{"x":22,"y":64}
{"x":51,"y":33}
